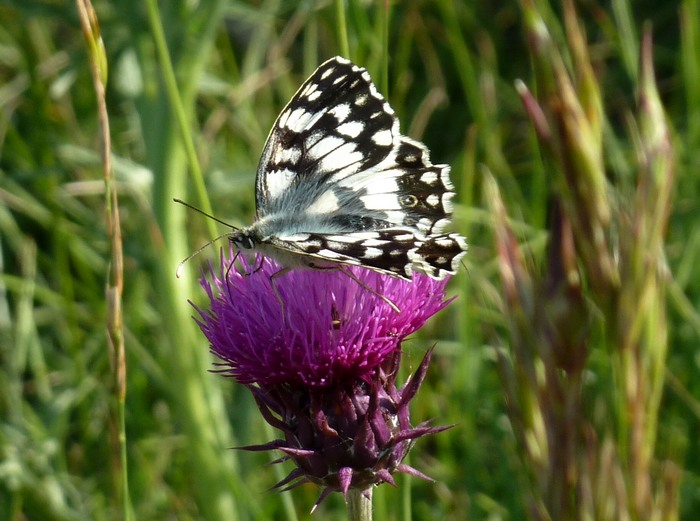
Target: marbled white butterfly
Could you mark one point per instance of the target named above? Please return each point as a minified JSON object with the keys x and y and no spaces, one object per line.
{"x":338,"y":184}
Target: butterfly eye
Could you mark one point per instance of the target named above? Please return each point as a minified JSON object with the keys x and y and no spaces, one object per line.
{"x":242,"y":241}
{"x":408,"y":201}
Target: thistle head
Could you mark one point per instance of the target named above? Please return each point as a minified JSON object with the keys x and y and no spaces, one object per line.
{"x":320,"y":353}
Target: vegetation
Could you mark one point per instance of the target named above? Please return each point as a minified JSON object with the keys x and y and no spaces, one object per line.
{"x":569,"y":360}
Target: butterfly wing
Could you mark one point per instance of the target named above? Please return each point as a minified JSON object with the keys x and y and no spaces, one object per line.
{"x":395,"y":251}
{"x":335,"y":157}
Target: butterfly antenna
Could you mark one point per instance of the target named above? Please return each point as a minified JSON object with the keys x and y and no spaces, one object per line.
{"x":188,"y":205}
{"x":197,"y":252}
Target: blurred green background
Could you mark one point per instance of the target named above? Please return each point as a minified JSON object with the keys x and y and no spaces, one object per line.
{"x":451,"y":76}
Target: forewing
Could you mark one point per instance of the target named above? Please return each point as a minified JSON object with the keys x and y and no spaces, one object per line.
{"x":336,"y":150}
{"x":337,"y":122}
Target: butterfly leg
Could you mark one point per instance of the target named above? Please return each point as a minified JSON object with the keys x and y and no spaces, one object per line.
{"x":231,"y":264}
{"x":274,"y":276}
{"x":365,"y":286}
{"x":259,"y":267}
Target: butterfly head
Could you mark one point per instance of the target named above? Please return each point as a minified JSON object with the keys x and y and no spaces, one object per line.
{"x":243,"y":239}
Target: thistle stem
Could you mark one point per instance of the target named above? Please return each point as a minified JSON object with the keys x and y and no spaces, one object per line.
{"x":359,"y":504}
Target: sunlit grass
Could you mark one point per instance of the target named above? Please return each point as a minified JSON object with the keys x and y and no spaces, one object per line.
{"x":450,"y":70}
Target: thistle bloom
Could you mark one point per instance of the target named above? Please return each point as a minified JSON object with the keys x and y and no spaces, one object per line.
{"x":320,"y":353}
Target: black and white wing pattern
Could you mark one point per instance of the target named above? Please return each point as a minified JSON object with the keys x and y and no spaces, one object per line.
{"x":338,"y":184}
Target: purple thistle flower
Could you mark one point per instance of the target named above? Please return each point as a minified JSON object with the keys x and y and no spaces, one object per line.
{"x":320,"y":354}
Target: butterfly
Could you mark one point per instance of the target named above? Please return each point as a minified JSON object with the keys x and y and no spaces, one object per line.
{"x":338,"y":184}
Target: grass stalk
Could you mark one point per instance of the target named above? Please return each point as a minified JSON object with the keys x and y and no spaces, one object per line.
{"x":115,"y":276}
{"x":550,"y":318}
{"x":178,"y":109}
{"x":342,"y":28}
{"x":199,"y":399}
